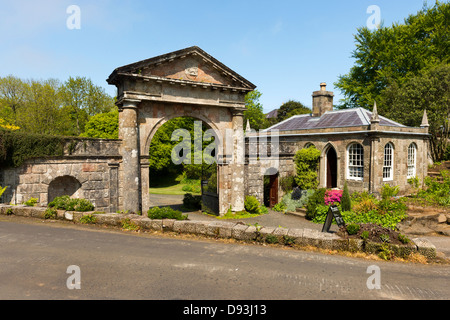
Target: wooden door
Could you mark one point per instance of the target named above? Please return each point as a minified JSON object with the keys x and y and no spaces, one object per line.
{"x":273,"y":193}
{"x":331,"y":168}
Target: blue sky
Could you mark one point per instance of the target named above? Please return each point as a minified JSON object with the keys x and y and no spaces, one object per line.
{"x":286,"y":48}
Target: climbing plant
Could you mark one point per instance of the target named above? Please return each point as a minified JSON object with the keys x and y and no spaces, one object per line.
{"x":307,"y":162}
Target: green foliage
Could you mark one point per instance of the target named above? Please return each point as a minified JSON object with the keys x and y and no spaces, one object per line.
{"x":165,"y":213}
{"x":103,"y":125}
{"x":2,"y":190}
{"x":68,"y":204}
{"x":353,"y":228}
{"x":385,"y":252}
{"x":254,"y":111}
{"x":437,"y":189}
{"x":31,"y":202}
{"x":279,"y":207}
{"x":272,"y":239}
{"x":346,"y":203}
{"x":50,"y":213}
{"x":18,"y":146}
{"x":307,"y":162}
{"x":365,"y":235}
{"x":403,"y":239}
{"x":292,"y":205}
{"x":88,"y":219}
{"x":287,"y":183}
{"x":291,"y":108}
{"x":192,"y":202}
{"x":321,"y":213}
{"x":393,"y":54}
{"x":252,"y":205}
{"x":127,"y":224}
{"x":318,"y":198}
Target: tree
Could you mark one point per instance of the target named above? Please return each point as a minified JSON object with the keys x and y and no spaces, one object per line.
{"x":291,"y":108}
{"x":395,"y":54}
{"x":430,"y":91}
{"x":82,"y":99}
{"x":103,"y":125}
{"x":254,"y":111}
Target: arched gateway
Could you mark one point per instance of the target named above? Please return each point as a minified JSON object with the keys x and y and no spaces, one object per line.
{"x":187,"y":82}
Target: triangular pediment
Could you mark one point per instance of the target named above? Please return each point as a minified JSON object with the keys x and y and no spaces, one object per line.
{"x":190,"y":64}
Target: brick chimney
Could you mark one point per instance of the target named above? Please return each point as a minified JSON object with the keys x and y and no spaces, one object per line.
{"x":322,"y":101}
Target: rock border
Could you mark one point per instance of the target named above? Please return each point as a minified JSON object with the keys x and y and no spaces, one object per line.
{"x":232,"y":230}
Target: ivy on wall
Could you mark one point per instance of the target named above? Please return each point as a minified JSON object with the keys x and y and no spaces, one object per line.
{"x":16,"y":147}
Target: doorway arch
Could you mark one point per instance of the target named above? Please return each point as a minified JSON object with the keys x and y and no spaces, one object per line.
{"x":331,"y":168}
{"x":188,"y":82}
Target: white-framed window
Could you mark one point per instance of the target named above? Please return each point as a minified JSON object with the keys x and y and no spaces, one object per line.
{"x":388,"y":162}
{"x":412,"y":151}
{"x":355,"y":154}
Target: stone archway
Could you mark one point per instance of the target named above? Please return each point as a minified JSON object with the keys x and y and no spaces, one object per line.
{"x":187,"y":82}
{"x":63,"y":186}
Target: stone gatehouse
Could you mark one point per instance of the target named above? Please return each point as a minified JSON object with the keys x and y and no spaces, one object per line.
{"x":357,"y":146}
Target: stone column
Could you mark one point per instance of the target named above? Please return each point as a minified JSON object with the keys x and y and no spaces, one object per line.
{"x":238,"y":162}
{"x":129,"y":132}
{"x":145,"y":184}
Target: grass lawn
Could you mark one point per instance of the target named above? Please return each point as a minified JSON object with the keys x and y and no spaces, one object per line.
{"x":168,"y":185}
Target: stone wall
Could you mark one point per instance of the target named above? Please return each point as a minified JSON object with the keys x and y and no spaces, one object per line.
{"x":90,"y":171}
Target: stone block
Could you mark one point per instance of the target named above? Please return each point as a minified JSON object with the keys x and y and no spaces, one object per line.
{"x":238,"y":231}
{"x":264,"y":232}
{"x":38,"y":212}
{"x":156,"y":224}
{"x":250,"y":234}
{"x":167,"y":224}
{"x":213,"y":229}
{"x":225,"y":229}
{"x":310,"y":237}
{"x":178,"y":226}
{"x":326,"y":240}
{"x":201,"y":227}
{"x":297,"y":235}
{"x":355,"y":245}
{"x":425,"y":247}
{"x":280,"y":233}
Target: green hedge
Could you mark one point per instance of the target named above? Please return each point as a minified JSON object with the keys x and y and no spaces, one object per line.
{"x":17,"y":146}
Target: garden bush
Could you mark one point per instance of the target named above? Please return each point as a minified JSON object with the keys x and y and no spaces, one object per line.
{"x":318,"y":198}
{"x":69,"y":204}
{"x":165,"y":213}
{"x":192,"y":202}
{"x":252,"y":205}
{"x":307,"y":162}
{"x":346,"y":203}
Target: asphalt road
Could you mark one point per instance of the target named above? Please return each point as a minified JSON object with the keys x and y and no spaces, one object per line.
{"x":113,"y":264}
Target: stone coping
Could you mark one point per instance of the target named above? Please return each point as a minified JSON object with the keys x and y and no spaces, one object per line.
{"x":232,"y":230}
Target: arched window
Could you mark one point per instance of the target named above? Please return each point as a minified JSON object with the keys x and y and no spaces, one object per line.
{"x":388,"y":162}
{"x":355,"y":155}
{"x":412,"y":151}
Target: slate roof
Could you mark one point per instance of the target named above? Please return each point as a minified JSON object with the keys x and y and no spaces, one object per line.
{"x":332,"y":119}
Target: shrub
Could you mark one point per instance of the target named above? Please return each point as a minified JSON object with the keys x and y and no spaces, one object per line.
{"x":68,"y":204}
{"x":365,"y":235}
{"x":192,"y":202}
{"x":352,"y":228}
{"x":50,"y":213}
{"x":321,"y":213}
{"x":307,"y":162}
{"x":264,"y":209}
{"x":165,"y":213}
{"x":127,"y":224}
{"x":31,"y":202}
{"x":279,"y":207}
{"x":287,"y":183}
{"x":316,"y":199}
{"x":332,"y":197}
{"x":346,"y":203}
{"x":296,"y":194}
{"x":252,"y":205}
{"x":403,"y":239}
{"x":88,"y":219}
{"x":2,"y":190}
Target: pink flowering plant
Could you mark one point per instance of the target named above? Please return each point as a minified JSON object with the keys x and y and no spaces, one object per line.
{"x":333,"y":197}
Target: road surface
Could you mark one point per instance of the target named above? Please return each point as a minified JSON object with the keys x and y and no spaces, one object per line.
{"x":35,"y":257}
